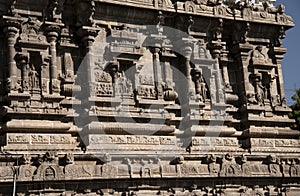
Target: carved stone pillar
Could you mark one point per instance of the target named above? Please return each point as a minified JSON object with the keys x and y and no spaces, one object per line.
{"x":217,"y":46}
{"x":225,"y":75}
{"x":224,"y":63}
{"x":45,"y":74}
{"x":87,"y":38}
{"x":12,"y":31}
{"x":219,"y":82}
{"x":52,"y":39}
{"x":169,"y":93}
{"x":231,"y":97}
{"x":157,"y":72}
{"x":187,"y":53}
{"x":279,"y":52}
{"x":23,"y":59}
{"x":242,"y":52}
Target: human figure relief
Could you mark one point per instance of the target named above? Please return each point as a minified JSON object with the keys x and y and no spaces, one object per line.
{"x":122,"y":84}
{"x":25,"y":76}
{"x":260,"y":56}
{"x":274,"y":96}
{"x":200,"y":85}
{"x":260,"y":90}
{"x":33,"y":77}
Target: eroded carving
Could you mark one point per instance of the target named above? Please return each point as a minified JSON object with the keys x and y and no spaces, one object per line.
{"x":229,"y":166}
{"x":213,"y":167}
{"x":31,"y":31}
{"x":84,"y":13}
{"x":274,"y":166}
{"x":200,"y":85}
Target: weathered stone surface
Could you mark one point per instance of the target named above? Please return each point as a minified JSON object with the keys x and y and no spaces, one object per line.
{"x":145,"y":97}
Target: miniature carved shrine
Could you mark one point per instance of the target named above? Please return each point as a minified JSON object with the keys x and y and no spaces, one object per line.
{"x":145,"y":97}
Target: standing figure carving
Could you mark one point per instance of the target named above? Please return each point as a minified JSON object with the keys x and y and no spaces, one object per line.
{"x":200,"y":85}
{"x":259,"y":90}
{"x":33,"y":77}
{"x":123,"y":85}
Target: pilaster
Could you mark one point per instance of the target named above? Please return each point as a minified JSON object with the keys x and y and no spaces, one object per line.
{"x":12,"y":32}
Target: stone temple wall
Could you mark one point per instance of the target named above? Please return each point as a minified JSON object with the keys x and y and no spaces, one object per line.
{"x":145,"y":97}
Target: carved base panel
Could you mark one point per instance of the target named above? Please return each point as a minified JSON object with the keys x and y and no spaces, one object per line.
{"x":216,"y":145}
{"x":146,"y":187}
{"x":135,"y":144}
{"x":266,"y":145}
{"x":145,"y":97}
{"x":39,"y":142}
{"x":110,"y":165}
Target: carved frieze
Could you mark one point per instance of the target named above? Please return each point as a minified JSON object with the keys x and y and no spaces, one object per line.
{"x":108,"y":170}
{"x":26,"y":170}
{"x":46,"y":172}
{"x":47,"y":167}
{"x":79,"y":171}
{"x":193,"y":169}
{"x":294,"y":169}
{"x":125,"y":40}
{"x":25,"y":141}
{"x":163,"y":4}
{"x":148,"y":112}
{"x":147,"y":92}
{"x":103,"y":84}
{"x":206,"y":141}
{"x":274,"y":167}
{"x":128,"y":139}
{"x":213,"y":166}
{"x":7,"y":172}
{"x":229,"y":167}
{"x":265,"y":143}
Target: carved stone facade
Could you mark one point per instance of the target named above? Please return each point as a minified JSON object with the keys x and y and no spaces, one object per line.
{"x":145,"y":97}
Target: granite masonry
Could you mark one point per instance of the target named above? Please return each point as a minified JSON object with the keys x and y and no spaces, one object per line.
{"x":145,"y":97}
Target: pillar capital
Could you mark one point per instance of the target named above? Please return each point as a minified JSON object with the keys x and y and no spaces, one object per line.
{"x":87,"y":35}
{"x":186,"y":45}
{"x":11,"y":31}
{"x":53,"y":31}
{"x":154,"y":50}
{"x":22,"y":58}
